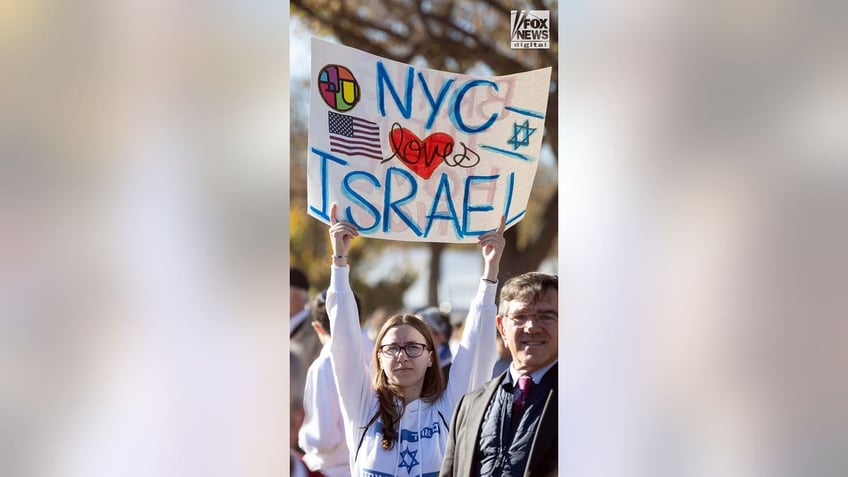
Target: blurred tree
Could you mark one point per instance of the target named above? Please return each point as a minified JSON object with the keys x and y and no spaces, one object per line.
{"x":458,"y":36}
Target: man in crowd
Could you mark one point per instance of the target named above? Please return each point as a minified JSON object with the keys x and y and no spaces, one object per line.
{"x":302,"y":338}
{"x":508,"y":427}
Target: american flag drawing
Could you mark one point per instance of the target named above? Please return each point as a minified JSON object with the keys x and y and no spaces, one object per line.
{"x":354,"y":136}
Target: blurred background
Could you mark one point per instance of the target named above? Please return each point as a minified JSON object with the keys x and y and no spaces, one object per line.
{"x":143,"y":238}
{"x":145,"y":218}
{"x":703,"y":220}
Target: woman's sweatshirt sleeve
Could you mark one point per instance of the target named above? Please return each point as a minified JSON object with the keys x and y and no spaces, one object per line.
{"x":477,"y":353}
{"x":346,"y":353}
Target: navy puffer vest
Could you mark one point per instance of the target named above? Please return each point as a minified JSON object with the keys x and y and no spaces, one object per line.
{"x":504,"y":446}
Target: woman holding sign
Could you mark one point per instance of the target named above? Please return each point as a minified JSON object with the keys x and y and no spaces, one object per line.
{"x":397,"y":422}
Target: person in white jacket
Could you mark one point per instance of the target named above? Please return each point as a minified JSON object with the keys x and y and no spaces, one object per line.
{"x":397,"y":422}
{"x":322,"y":435}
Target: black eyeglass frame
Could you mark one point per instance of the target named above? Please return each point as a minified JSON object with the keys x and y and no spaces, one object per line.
{"x":384,"y":349}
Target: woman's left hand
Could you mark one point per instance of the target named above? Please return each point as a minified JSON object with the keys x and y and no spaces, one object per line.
{"x":492,"y":245}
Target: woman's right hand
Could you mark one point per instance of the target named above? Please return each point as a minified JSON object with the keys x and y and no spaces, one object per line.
{"x":341,"y":233}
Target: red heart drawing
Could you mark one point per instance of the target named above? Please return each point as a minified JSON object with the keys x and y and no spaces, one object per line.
{"x":421,"y":157}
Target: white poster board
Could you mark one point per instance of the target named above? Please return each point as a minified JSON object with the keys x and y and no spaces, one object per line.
{"x":418,"y":154}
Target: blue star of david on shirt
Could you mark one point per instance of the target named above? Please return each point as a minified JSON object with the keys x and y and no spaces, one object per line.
{"x":412,"y":460}
{"x":521,"y":134}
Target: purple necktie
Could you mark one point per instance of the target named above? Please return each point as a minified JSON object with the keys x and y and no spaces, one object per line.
{"x":525,"y":384}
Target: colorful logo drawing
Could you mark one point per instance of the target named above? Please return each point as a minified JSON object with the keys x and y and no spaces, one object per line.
{"x":338,"y":87}
{"x":354,"y":136}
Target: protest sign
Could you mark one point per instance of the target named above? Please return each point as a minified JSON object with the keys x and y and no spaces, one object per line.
{"x":418,"y":154}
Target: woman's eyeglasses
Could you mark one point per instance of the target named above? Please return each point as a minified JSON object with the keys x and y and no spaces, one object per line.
{"x":413,"y":350}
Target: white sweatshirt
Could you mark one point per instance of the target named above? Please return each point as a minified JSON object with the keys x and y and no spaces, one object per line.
{"x":424,"y":426}
{"x":322,"y":435}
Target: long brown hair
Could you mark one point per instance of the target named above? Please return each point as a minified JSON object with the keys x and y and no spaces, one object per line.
{"x":388,"y":394}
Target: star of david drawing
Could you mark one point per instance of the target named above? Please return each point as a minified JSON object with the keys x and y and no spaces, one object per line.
{"x":412,"y":460}
{"x":521,"y":134}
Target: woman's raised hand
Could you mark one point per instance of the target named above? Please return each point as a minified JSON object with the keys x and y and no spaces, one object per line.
{"x":492,"y":245}
{"x":341,"y":233}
